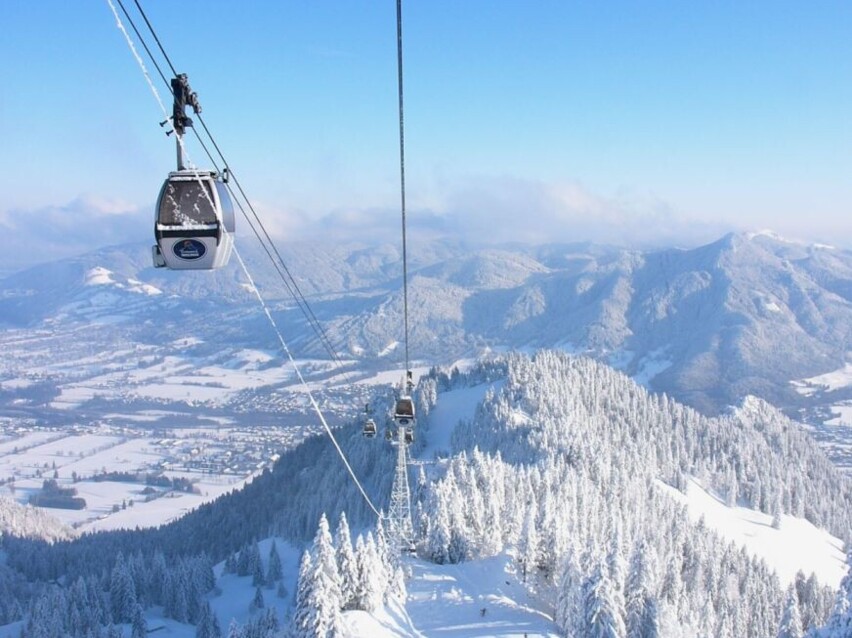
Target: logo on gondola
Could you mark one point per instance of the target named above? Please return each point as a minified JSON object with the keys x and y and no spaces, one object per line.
{"x":189,"y":249}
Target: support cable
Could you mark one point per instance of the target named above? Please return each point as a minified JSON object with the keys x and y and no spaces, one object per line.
{"x":144,"y":44}
{"x":156,"y":39}
{"x":402,"y":180}
{"x":401,"y":528}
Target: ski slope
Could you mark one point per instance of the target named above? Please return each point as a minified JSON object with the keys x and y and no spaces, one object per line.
{"x":478,"y":598}
{"x":452,"y":407}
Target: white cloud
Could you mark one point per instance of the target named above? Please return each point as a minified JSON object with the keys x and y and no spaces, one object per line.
{"x":496,"y":210}
{"x":477,"y":210}
{"x":83,"y":224}
{"x":506,"y":209}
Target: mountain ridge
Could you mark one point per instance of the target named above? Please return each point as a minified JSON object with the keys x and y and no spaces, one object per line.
{"x":746,"y":314}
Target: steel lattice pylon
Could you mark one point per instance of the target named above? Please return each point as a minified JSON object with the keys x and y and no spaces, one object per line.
{"x":400,"y":529}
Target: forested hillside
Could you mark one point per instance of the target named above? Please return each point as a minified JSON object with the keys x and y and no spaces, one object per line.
{"x":566,"y":466}
{"x":565,"y":462}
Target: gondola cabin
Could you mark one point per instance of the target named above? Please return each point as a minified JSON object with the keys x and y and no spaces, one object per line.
{"x":369,"y":430}
{"x":195,"y":222}
{"x":403,"y":413}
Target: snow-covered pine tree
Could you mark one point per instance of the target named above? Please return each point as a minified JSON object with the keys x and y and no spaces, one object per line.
{"x":257,"y":601}
{"x":203,"y":627}
{"x":274,"y":572}
{"x":528,"y":545}
{"x":840,"y":622}
{"x":234,"y":630}
{"x":256,"y":565}
{"x":438,"y":534}
{"x":244,"y":566}
{"x":651,"y":626}
{"x":569,"y":600}
{"x":346,"y":564}
{"x":318,"y":599}
{"x":617,"y":570}
{"x":791,"y":620}
{"x":601,"y":616}
{"x":177,"y":604}
{"x":396,"y":588}
{"x":122,"y":592}
{"x":386,"y":557}
{"x":303,"y":612}
{"x":230,"y":566}
{"x":639,"y":589}
{"x":139,"y":628}
{"x":369,"y":589}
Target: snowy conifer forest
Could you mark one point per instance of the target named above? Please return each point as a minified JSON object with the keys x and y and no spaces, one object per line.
{"x":565,"y":469}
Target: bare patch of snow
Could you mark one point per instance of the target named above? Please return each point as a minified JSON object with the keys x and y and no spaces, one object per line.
{"x":844,"y":415}
{"x":143,"y":288}
{"x":15,"y":384}
{"x":98,"y":277}
{"x":393,"y":345}
{"x":831,"y":381}
{"x":650,"y":366}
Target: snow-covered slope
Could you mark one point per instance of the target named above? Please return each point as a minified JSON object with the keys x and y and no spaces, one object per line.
{"x":30,"y":522}
{"x":555,"y":492}
{"x":791,"y":546}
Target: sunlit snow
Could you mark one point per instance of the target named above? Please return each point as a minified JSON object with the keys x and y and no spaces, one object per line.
{"x":840,"y":378}
{"x":796,"y":545}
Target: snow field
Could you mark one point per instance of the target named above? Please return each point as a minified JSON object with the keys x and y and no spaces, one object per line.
{"x":452,"y":407}
{"x":830,"y":381}
{"x":448,"y":600}
{"x":796,"y":545}
{"x":91,"y":453}
{"x":844,"y":415}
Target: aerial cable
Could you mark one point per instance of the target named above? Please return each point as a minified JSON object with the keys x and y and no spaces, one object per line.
{"x":266,"y":310}
{"x":139,"y":60}
{"x":310,"y":394}
{"x":144,"y":44}
{"x":163,"y":75}
{"x":289,"y":280}
{"x":402,"y":185}
{"x":156,"y":39}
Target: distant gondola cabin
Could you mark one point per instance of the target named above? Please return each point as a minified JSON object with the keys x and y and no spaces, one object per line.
{"x":369,"y":428}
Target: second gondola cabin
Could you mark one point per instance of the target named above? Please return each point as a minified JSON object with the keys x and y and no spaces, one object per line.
{"x":403,"y":413}
{"x":369,"y":429}
{"x":195,"y":222}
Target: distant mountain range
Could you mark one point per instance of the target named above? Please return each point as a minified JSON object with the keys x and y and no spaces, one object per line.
{"x":747,"y":314}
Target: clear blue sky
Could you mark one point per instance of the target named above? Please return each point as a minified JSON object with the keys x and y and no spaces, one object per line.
{"x":645,"y":121}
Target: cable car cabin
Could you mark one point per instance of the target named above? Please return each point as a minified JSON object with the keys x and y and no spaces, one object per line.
{"x":195,"y":222}
{"x":403,"y":412}
{"x":369,"y":430}
{"x":392,"y":433}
